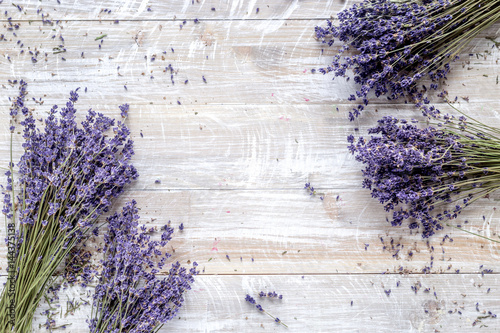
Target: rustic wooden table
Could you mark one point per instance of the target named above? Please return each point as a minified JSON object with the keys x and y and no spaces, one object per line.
{"x":233,"y":154}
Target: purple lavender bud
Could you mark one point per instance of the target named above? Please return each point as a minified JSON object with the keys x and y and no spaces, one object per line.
{"x":249,"y":299}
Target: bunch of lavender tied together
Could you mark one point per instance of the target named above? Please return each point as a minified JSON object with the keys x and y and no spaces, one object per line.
{"x":68,"y":175}
{"x":396,"y":44}
{"x":130,"y":297}
{"x":413,"y":170}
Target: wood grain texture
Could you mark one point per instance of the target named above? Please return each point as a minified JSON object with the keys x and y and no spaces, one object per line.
{"x":245,"y":147}
{"x":318,"y":303}
{"x":177,"y":10}
{"x":233,"y":154}
{"x":289,"y":232}
{"x":243,"y":63}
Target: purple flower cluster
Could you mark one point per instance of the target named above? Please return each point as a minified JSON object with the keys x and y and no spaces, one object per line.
{"x":74,"y":171}
{"x":259,"y":307}
{"x":310,"y":189}
{"x":396,"y":44}
{"x":271,"y":294}
{"x":414,"y":171}
{"x":130,"y":295}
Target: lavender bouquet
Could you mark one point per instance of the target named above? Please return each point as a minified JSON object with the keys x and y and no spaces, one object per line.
{"x":395,"y":44}
{"x":66,"y":178}
{"x":130,"y":296}
{"x":428,"y":175}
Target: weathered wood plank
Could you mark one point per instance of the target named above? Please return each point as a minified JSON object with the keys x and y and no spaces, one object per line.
{"x":290,"y":232}
{"x":234,"y":155}
{"x":244,"y":147}
{"x":175,"y":10}
{"x":241,"y":63}
{"x":323,"y":304}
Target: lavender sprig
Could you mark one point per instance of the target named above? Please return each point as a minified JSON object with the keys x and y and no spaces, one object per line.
{"x":429,"y":174}
{"x":252,"y":301}
{"x":310,"y":189}
{"x":396,"y":44}
{"x":312,"y":192}
{"x":131,"y":296}
{"x":271,"y":294}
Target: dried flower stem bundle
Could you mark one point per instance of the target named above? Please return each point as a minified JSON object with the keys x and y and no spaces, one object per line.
{"x":397,"y":43}
{"x":67,"y":177}
{"x":130,"y":296}
{"x":429,"y":175}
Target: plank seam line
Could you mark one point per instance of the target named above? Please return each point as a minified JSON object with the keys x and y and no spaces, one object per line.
{"x":168,"y":20}
{"x":334,"y":274}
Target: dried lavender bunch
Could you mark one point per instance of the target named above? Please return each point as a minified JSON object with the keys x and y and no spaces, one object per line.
{"x":396,"y":44}
{"x":67,"y":177}
{"x":429,"y":174}
{"x":130,"y":296}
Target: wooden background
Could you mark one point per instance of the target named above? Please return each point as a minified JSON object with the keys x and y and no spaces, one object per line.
{"x":234,"y":155}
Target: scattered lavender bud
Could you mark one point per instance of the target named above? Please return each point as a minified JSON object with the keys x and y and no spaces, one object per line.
{"x":250,"y":299}
{"x":124,"y":110}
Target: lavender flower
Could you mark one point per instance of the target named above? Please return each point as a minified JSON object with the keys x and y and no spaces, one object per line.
{"x":311,"y":190}
{"x":271,"y":294}
{"x":396,"y":44}
{"x":131,"y":296}
{"x":252,"y":301}
{"x":429,"y":174}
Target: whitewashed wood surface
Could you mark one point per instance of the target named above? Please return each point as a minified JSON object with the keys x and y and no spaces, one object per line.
{"x":234,"y":155}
